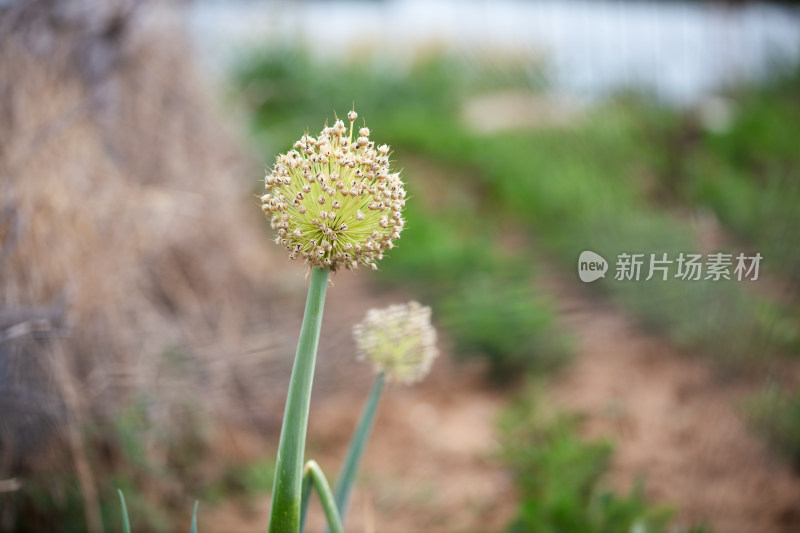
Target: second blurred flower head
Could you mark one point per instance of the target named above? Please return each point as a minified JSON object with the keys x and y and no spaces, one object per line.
{"x":398,"y":340}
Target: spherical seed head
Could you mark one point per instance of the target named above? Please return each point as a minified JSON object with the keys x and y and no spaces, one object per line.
{"x":398,"y":340}
{"x":330,"y":195}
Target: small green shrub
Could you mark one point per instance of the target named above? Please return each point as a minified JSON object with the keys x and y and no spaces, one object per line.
{"x":776,"y":414}
{"x":438,"y":251}
{"x":559,"y":477}
{"x":506,"y":322}
{"x":242,"y":480}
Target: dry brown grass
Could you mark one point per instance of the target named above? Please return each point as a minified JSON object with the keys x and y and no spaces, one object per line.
{"x":126,"y":228}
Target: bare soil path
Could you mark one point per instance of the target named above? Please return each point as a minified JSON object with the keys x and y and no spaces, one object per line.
{"x":675,"y":423}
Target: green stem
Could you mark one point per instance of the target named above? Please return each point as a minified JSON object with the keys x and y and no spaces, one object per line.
{"x":194,"y":517}
{"x":126,"y":523}
{"x":344,"y":485}
{"x":285,"y":512}
{"x":305,"y":497}
{"x":320,"y":482}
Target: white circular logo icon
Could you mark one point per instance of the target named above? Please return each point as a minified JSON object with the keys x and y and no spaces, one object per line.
{"x":591,"y":266}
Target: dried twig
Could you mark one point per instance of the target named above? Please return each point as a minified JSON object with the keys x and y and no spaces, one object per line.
{"x":25,"y":328}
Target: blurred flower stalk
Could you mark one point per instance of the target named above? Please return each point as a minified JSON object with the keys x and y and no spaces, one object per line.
{"x":400,"y":342}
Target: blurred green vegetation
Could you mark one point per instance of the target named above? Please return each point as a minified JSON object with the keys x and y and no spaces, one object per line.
{"x":775,"y":413}
{"x":484,"y":296}
{"x":158,"y":453}
{"x":505,"y":321}
{"x":578,"y":189}
{"x":625,"y":175}
{"x":160,"y":475}
{"x":559,"y":477}
{"x":746,"y":169}
{"x":251,"y":479}
{"x":608,"y":182}
{"x":125,"y":454}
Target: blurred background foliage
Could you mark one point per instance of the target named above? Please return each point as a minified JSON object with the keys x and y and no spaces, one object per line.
{"x":488,"y":211}
{"x":559,"y":476}
{"x":603,"y":182}
{"x":498,"y":213}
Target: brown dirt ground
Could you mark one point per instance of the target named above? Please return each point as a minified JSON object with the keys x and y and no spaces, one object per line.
{"x":675,"y":423}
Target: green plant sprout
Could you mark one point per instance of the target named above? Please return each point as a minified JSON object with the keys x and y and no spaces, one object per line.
{"x":194,"y":518}
{"x":313,"y":476}
{"x":126,"y":524}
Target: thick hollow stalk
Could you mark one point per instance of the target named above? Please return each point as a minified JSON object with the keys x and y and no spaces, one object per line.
{"x":344,"y":485}
{"x":285,"y":512}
